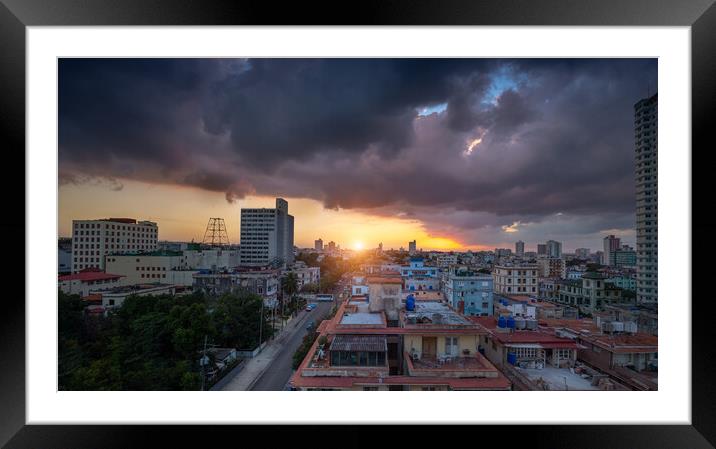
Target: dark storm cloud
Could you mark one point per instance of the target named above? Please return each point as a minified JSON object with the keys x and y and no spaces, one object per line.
{"x":548,"y":136}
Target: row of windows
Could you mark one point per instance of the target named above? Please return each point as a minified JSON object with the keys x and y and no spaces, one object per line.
{"x":119,"y":227}
{"x":520,"y":289}
{"x":362,"y":358}
{"x":152,"y":268}
{"x":83,"y":266}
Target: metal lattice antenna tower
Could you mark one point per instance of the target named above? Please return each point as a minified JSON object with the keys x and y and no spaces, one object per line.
{"x":216,"y":234}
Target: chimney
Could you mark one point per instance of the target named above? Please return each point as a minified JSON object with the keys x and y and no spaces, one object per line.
{"x":461,"y":306}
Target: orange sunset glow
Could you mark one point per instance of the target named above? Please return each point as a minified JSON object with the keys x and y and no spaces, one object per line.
{"x":168,"y":206}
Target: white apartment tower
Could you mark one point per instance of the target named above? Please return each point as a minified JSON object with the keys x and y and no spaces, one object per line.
{"x":318,"y":245}
{"x":92,"y":240}
{"x":645,"y":140}
{"x":266,"y":235}
{"x":554,"y":249}
{"x":520,"y":248}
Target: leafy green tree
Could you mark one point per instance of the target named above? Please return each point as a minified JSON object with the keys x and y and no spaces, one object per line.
{"x":289,"y":284}
{"x":237,"y":319}
{"x":310,"y":288}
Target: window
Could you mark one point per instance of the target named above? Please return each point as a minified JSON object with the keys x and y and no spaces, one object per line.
{"x":451,"y":345}
{"x":526,"y":352}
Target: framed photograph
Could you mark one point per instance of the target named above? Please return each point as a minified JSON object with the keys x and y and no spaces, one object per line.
{"x":424,"y":214}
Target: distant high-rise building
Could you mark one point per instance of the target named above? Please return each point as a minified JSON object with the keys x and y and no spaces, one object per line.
{"x":581,"y":253}
{"x":520,"y":248}
{"x":318,"y":245}
{"x":541,"y":249}
{"x":646,"y":149}
{"x":623,"y":257}
{"x":554,"y":249}
{"x":380,"y":247}
{"x":611,"y":244}
{"x":412,"y":246}
{"x":92,"y":240}
{"x":266,"y":235}
{"x":331,"y":246}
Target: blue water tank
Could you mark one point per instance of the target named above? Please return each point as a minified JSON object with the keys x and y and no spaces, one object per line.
{"x":510,"y":322}
{"x":501,"y":322}
{"x":410,"y":303}
{"x":511,"y":358}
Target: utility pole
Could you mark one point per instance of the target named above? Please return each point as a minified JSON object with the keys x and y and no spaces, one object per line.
{"x":203,"y":365}
{"x":261,"y":321}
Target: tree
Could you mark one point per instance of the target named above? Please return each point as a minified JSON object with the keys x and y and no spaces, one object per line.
{"x":309,"y":288}
{"x":289,"y":284}
{"x":239,"y":320}
{"x":302,"y":350}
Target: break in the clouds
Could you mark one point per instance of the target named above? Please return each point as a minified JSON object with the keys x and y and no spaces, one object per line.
{"x":485,"y":150}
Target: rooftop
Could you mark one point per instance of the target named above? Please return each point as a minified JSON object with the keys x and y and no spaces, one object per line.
{"x":557,"y":378}
{"x":542,"y":337}
{"x":384,"y":280}
{"x":136,"y":288}
{"x":88,"y":276}
{"x":625,"y":343}
{"x":434,"y":313}
{"x":469,"y":363}
{"x":157,"y":253}
{"x":362,"y":318}
{"x":478,"y":383}
{"x":367,"y":343}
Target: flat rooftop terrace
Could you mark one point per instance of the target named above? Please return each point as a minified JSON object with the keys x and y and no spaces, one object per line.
{"x":558,"y":378}
{"x":362,"y":318}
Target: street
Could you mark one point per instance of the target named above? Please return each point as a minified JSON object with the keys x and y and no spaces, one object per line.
{"x":280,"y":370}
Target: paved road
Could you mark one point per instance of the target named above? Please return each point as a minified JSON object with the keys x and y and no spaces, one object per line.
{"x":279,"y":372}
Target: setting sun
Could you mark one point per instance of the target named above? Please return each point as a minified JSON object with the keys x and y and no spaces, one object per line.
{"x":358,"y":245}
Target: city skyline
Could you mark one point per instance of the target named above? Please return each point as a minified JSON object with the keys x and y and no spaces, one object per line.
{"x":456,"y":154}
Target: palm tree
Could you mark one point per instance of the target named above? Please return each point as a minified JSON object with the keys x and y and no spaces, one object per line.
{"x":289,"y":286}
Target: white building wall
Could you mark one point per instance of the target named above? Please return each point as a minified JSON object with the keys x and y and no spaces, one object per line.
{"x":92,"y":240}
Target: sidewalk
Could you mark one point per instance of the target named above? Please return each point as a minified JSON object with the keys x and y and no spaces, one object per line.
{"x":255,"y":367}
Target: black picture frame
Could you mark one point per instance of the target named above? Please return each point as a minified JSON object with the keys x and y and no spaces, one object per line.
{"x":700,"y":15}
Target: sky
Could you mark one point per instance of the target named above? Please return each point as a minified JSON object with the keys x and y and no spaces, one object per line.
{"x":454,"y":153}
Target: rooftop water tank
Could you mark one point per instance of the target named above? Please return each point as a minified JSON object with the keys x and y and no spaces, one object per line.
{"x":501,"y":322}
{"x":410,"y":303}
{"x":531,"y":324}
{"x":511,"y":358}
{"x":511,"y":322}
{"x":519,"y":323}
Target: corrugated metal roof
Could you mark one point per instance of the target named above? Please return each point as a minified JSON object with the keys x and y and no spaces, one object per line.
{"x":372,"y":343}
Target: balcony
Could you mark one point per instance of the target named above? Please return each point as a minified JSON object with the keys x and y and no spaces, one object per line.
{"x":457,"y":366}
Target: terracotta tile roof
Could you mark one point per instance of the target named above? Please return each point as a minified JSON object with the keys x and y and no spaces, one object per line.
{"x":384,"y":280}
{"x":624,"y":343}
{"x":545,"y":338}
{"x":484,"y":383}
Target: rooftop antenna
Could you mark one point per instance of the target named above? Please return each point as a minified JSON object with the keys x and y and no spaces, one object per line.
{"x":215,"y":234}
